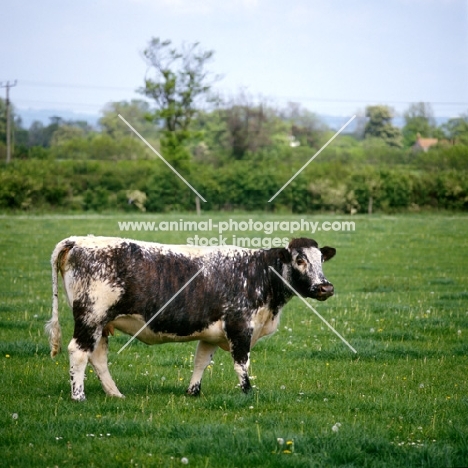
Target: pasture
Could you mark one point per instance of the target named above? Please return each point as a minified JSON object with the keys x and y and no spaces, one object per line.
{"x":401,"y":300}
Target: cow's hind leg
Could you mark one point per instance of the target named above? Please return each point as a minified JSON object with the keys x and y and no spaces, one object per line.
{"x":203,"y":357}
{"x":86,"y":338}
{"x":78,"y":362}
{"x":98,"y":359}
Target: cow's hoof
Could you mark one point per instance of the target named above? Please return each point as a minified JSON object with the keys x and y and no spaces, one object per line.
{"x":81,"y":397}
{"x":194,"y":390}
{"x":246,"y":387}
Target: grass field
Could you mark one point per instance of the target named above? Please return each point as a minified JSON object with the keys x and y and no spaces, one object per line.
{"x":401,"y":300}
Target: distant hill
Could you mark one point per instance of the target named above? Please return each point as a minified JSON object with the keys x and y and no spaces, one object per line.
{"x":28,"y":116}
{"x":336,"y":122}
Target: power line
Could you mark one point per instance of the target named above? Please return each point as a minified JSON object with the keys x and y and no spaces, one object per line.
{"x":286,"y":98}
{"x":8,"y":85}
{"x":364,"y":101}
{"x":38,"y":84}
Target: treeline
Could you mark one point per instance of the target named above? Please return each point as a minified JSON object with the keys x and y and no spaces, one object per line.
{"x":435,"y":180}
{"x":238,"y":129}
{"x":237,"y":152}
{"x":237,"y":157}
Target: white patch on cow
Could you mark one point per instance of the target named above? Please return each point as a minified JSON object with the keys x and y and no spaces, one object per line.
{"x":73,"y":286}
{"x":68,"y":286}
{"x":314,"y":257}
{"x":102,"y":295}
{"x":131,"y":324}
{"x":93,"y":242}
{"x":242,"y":370}
{"x":263,"y":323}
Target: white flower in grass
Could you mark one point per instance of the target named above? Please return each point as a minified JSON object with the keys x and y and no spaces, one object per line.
{"x":184,"y":461}
{"x":280,"y":441}
{"x":14,"y":416}
{"x":336,"y":427}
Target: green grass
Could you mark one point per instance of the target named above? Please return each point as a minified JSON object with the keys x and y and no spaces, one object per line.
{"x":401,"y":301}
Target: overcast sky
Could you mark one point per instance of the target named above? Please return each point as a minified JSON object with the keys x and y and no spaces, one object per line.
{"x":333,"y":56}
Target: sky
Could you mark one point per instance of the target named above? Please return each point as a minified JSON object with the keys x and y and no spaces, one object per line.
{"x":332,"y":56}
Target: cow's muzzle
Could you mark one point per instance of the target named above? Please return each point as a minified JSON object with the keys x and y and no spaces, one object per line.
{"x":324,"y":291}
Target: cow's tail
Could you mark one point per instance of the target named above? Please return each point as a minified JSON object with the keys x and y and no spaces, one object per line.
{"x":52,"y":327}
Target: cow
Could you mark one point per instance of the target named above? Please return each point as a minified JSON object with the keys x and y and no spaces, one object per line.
{"x":227,"y":297}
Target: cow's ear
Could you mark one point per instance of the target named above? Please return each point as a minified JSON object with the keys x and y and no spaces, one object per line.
{"x":327,"y":253}
{"x":285,"y":255}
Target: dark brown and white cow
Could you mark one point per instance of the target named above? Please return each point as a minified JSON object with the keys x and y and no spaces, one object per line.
{"x":121,"y":283}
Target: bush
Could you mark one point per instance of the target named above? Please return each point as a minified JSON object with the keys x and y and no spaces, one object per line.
{"x":17,"y":191}
{"x":246,"y":185}
{"x":96,"y":200}
{"x":395,"y":192}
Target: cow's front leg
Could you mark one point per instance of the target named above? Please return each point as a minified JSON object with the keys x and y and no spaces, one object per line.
{"x":203,"y":357}
{"x":98,"y":359}
{"x":240,"y":340}
{"x":241,"y":366}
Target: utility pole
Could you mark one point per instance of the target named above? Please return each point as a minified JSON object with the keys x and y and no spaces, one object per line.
{"x":8,"y":85}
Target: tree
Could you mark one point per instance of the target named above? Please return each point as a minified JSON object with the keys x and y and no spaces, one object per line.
{"x":246,"y":125}
{"x":178,"y":81}
{"x":306,"y":127}
{"x":379,"y":125}
{"x":136,"y":112}
{"x":57,"y":131}
{"x":419,"y":119}
{"x":15,"y":124}
{"x":456,"y":130}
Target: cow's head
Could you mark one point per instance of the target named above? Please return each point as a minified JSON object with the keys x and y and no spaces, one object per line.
{"x":304,"y":259}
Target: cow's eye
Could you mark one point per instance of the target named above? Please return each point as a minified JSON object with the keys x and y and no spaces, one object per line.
{"x":300,"y":261}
